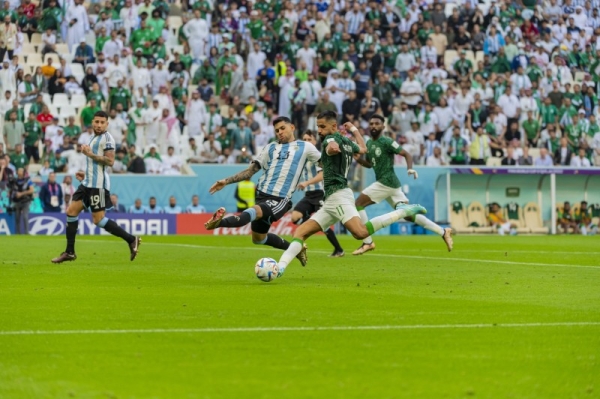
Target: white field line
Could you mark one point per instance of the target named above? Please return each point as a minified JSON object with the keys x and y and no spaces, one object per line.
{"x":449,"y":258}
{"x":300,"y":328}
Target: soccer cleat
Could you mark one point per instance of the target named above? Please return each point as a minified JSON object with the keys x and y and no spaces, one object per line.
{"x":364,"y":248}
{"x":413,"y":209}
{"x":215,"y":220}
{"x":302,"y":257}
{"x":447,"y":237}
{"x":64,"y":257}
{"x":337,"y":254}
{"x":134,"y":247}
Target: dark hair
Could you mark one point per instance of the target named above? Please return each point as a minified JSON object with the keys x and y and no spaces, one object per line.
{"x":377,"y":116}
{"x":309,"y":133}
{"x":152,"y":198}
{"x":328,"y":116}
{"x":280,"y":119}
{"x":101,"y":114}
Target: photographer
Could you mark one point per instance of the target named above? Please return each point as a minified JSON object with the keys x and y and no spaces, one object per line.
{"x":21,"y":195}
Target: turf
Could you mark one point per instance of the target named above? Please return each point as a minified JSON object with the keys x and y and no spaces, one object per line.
{"x":517,"y":289}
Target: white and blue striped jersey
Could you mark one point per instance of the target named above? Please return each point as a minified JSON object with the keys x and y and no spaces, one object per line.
{"x":283,"y":165}
{"x":96,"y":175}
{"x":310,"y":171}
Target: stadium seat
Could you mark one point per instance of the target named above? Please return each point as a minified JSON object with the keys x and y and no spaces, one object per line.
{"x":62,"y":49}
{"x":579,"y":77}
{"x":533,"y":219}
{"x":29,"y":48}
{"x":471,"y":57}
{"x":78,"y":100}
{"x":60,"y":99}
{"x":34,"y":168}
{"x":67,"y":110}
{"x":479,"y":55}
{"x":53,"y":109}
{"x":36,"y":38}
{"x":494,"y":161}
{"x":34,"y":58}
{"x":77,"y":70}
{"x":476,"y":215}
{"x":513,"y":213}
{"x":534,"y":153}
{"x":178,"y":48}
{"x":174,"y":22}
{"x":46,"y":98}
{"x":458,"y":218}
{"x":193,"y":70}
{"x":26,"y":109}
{"x":449,"y":57}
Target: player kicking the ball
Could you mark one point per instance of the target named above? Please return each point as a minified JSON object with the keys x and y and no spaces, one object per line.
{"x":282,"y":163}
{"x":337,"y":153}
{"x":93,"y":192}
{"x":380,"y":157}
{"x":313,"y":199}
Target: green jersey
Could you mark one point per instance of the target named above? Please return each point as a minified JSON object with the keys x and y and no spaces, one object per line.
{"x":531,"y":128}
{"x":434,"y":92}
{"x":96,"y":95}
{"x":549,"y":113}
{"x":256,"y":28}
{"x":335,"y":167}
{"x":380,"y":153}
{"x":88,"y":114}
{"x":72,"y":131}
{"x":33,"y":130}
{"x":20,"y":161}
{"x":119,"y":95}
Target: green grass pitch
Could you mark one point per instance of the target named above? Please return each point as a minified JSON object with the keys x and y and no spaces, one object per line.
{"x":499,"y":317}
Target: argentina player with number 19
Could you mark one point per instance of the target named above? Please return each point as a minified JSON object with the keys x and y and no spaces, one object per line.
{"x":283,"y":163}
{"x":93,"y":192}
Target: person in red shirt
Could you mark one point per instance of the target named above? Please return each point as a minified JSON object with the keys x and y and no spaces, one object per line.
{"x":45,"y":118}
{"x":29,"y":24}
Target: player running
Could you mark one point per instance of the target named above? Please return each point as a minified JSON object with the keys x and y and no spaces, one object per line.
{"x":380,"y":157}
{"x":313,"y":199}
{"x":283,"y":163}
{"x":337,"y":153}
{"x":93,"y":192}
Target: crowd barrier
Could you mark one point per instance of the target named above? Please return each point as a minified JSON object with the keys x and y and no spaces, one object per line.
{"x":53,"y":224}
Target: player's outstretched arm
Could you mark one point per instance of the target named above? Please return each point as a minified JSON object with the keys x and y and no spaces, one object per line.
{"x":359,"y":138}
{"x":107,"y":159}
{"x":317,"y":179}
{"x":409,"y":164}
{"x":243,"y":175}
{"x":362,"y":161}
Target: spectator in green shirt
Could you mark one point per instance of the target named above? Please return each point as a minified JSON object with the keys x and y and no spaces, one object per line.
{"x":87,"y":114}
{"x":72,"y":130}
{"x":19,"y":159}
{"x":33,"y":133}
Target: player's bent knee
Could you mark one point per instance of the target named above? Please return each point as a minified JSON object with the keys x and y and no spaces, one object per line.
{"x":101,"y":222}
{"x":257,"y":241}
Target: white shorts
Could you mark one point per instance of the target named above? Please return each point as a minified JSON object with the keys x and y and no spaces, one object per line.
{"x":379,"y":192}
{"x":339,"y":207}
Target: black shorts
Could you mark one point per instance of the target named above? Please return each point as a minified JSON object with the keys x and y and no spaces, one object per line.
{"x":312,"y":202}
{"x":273,"y":209}
{"x":94,"y":199}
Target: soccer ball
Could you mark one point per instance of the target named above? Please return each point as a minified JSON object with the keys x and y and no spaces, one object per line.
{"x":266,"y":269}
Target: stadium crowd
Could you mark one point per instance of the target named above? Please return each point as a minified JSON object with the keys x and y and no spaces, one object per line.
{"x":510,"y":83}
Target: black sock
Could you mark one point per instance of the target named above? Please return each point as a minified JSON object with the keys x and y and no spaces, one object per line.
{"x":273,"y":240}
{"x":236,"y":221}
{"x":116,"y":230}
{"x":71,"y":233}
{"x":333,"y":240}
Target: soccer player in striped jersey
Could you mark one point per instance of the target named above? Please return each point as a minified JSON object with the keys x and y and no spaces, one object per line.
{"x":282,"y":163}
{"x":93,"y":192}
{"x":380,"y":156}
{"x":313,"y":199}
{"x":336,"y":157}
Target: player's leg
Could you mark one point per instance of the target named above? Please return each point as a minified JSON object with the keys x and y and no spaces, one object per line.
{"x":99,"y":218}
{"x":297,"y":246}
{"x":308,"y":205}
{"x":361,"y":203}
{"x":73,"y":211}
{"x":379,"y":222}
{"x":247,"y":216}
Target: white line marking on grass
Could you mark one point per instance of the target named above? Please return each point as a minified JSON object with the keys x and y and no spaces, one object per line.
{"x":299,"y":328}
{"x":445,"y":259}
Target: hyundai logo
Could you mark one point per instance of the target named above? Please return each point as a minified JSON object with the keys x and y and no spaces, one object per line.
{"x":46,"y":225}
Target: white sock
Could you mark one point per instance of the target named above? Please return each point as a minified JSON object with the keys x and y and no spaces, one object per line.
{"x":379,"y":222}
{"x":289,"y":255}
{"x":364,"y":218}
{"x":428,"y":224}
